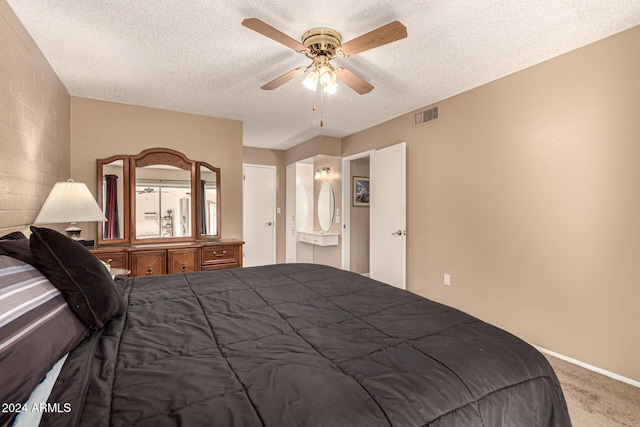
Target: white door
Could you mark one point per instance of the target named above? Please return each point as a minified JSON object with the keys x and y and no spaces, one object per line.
{"x":387,"y":210}
{"x":259,"y":215}
{"x":290,"y":211}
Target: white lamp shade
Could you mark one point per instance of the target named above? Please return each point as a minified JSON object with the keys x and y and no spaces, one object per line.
{"x":70,"y":202}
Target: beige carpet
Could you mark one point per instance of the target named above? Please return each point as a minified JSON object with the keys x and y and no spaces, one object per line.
{"x":595,"y":400}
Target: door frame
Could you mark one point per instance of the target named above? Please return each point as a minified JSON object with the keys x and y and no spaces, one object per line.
{"x":346,"y":206}
{"x":275,"y":201}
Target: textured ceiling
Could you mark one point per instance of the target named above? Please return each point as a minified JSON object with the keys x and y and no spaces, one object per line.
{"x":195,"y":56}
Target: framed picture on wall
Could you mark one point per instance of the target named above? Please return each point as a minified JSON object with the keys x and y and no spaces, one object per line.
{"x":360,"y":191}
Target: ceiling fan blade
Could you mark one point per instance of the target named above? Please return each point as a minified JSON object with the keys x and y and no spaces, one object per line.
{"x":267,"y":30}
{"x":386,"y":34}
{"x":353,"y":81}
{"x":276,"y":83}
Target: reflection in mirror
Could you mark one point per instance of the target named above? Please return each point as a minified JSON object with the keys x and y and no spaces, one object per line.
{"x":210,"y":201}
{"x":112,"y":190}
{"x":163,"y":202}
{"x":208,"y":216}
{"x":326,"y":205}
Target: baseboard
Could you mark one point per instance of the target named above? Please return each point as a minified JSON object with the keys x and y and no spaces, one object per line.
{"x":365,"y":274}
{"x":589,"y":367}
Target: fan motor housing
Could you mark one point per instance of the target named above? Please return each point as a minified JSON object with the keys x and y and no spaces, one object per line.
{"x":322,"y":41}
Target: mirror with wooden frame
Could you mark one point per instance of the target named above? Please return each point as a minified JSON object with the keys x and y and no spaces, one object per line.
{"x":159,"y":195}
{"x":113,"y":198}
{"x":162,"y":182}
{"x":208,"y":201}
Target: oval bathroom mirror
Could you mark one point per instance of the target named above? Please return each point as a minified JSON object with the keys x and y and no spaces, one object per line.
{"x":326,"y":206}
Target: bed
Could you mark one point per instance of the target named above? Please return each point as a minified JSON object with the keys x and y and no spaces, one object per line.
{"x":280,"y":345}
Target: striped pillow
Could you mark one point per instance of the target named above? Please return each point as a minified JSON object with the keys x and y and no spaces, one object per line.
{"x":37,"y":328}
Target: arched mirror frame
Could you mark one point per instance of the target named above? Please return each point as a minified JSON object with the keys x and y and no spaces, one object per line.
{"x":125,"y":198}
{"x":147,"y":157}
{"x":161,"y":156}
{"x":200,"y":198}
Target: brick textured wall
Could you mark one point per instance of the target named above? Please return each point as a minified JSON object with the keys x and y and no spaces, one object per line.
{"x":34,"y":125}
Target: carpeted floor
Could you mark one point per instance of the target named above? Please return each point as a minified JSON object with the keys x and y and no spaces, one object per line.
{"x":595,"y":400}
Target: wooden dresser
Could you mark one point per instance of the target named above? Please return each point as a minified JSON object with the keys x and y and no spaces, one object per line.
{"x":162,"y":213}
{"x":155,"y":259}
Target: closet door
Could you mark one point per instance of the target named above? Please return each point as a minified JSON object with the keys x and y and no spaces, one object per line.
{"x":388,"y":240}
{"x":290,"y":212}
{"x":259,"y":215}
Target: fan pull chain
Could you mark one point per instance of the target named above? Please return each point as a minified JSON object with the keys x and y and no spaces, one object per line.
{"x":321,"y":109}
{"x":315,"y":97}
{"x":314,"y":107}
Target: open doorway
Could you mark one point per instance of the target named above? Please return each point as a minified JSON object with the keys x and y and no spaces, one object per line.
{"x":387,"y":215}
{"x":355,"y":231}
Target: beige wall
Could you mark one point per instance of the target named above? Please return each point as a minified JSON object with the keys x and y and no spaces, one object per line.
{"x":359,"y":244}
{"x":525,"y":190}
{"x":262,"y":156}
{"x":34,"y":126}
{"x":101,"y":129}
{"x":320,"y":145}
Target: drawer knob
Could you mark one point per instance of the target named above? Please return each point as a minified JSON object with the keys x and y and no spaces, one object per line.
{"x":183,"y":267}
{"x":219,"y":255}
{"x":149,"y":271}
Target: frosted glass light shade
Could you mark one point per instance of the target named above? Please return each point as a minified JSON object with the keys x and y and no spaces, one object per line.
{"x":70,"y":202}
{"x":311,"y":81}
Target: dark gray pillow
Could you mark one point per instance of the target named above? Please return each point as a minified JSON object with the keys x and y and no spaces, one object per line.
{"x":84,"y":281}
{"x":16,"y":235}
{"x":18,"y":249}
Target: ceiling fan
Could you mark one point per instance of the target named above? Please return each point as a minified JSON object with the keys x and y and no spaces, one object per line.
{"x":148,"y":190}
{"x":323,"y":44}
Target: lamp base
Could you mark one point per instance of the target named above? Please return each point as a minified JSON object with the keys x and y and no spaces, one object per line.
{"x":73,"y":232}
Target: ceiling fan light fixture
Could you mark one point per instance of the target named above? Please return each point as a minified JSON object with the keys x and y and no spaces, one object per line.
{"x":331,"y":88}
{"x":311,"y":81}
{"x":326,"y":75}
{"x":328,"y":79}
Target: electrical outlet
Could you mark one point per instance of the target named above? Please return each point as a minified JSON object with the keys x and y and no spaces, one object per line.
{"x":447,"y":279}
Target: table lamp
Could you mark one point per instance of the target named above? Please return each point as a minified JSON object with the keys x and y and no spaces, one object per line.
{"x":70,"y":202}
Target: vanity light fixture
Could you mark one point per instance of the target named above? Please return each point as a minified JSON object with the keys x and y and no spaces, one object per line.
{"x":322,"y":172}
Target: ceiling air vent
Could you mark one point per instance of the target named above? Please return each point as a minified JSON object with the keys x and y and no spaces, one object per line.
{"x":425,"y":116}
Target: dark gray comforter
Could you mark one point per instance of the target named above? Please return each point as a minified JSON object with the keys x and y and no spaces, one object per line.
{"x":300,"y":345}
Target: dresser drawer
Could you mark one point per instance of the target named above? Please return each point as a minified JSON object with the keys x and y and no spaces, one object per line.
{"x":183,"y":260}
{"x":221,"y":266}
{"x":223,"y":254}
{"x":148,"y":263}
{"x":114,"y":259}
